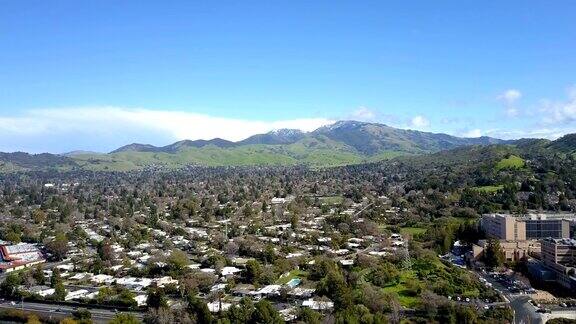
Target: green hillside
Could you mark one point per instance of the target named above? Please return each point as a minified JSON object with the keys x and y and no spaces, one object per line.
{"x":309,"y":151}
{"x":511,"y":162}
{"x":342,"y":143}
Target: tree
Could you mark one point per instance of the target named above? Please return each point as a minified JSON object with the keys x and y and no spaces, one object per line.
{"x":269,"y":255}
{"x":12,"y":237}
{"x":493,"y":255}
{"x":156,"y":298}
{"x":242,"y":313}
{"x":334,"y":287}
{"x":446,"y":314}
{"x":59,"y":291}
{"x":161,"y":316}
{"x":199,"y":310}
{"x":253,"y":271}
{"x":247,"y":211}
{"x":39,"y":216}
{"x":33,"y":319}
{"x":310,"y":316}
{"x":105,"y":251}
{"x":356,"y":314}
{"x":124,"y":318}
{"x":384,"y":275}
{"x":561,"y":320}
{"x":373,"y":298}
{"x":126,"y":298}
{"x":68,"y":320}
{"x":294,"y":219}
{"x":38,"y":274}
{"x":104,"y":294}
{"x":83,"y":315}
{"x":178,"y":259}
{"x":59,"y":246}
{"x":9,"y":287}
{"x":55,"y":278}
{"x":264,"y":312}
{"x":466,"y":315}
{"x":430,"y":303}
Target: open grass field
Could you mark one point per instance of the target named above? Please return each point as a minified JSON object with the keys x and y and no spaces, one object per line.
{"x":513,"y":162}
{"x":332,"y":200}
{"x":400,"y":289}
{"x":412,"y":230}
{"x":488,"y":189}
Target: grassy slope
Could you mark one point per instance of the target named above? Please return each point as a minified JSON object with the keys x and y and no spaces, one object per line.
{"x":400,"y":289}
{"x":412,"y":230}
{"x":488,"y":189}
{"x":319,"y":151}
{"x":512,"y":162}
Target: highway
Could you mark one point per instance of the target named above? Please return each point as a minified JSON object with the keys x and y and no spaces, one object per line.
{"x":61,"y":311}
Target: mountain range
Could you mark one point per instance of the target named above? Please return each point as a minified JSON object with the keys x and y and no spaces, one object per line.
{"x":344,"y":142}
{"x":364,"y":138}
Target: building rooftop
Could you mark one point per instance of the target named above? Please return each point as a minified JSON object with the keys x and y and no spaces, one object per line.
{"x":564,"y":241}
{"x":12,"y":256}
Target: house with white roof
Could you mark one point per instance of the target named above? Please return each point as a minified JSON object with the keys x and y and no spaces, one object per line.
{"x":229,"y":271}
{"x":77,"y":294}
{"x":318,"y":304}
{"x":216,"y":306}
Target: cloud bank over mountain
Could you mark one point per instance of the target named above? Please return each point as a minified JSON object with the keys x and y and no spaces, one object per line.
{"x":105,"y":128}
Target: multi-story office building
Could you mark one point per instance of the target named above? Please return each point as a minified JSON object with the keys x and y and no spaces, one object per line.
{"x":539,"y":226}
{"x":503,"y":227}
{"x":530,"y":227}
{"x":559,"y":255}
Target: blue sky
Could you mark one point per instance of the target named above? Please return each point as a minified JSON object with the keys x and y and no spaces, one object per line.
{"x":94,"y":75}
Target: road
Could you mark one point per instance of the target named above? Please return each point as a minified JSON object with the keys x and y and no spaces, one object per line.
{"x":60,"y":311}
{"x":524,"y":312}
{"x":362,"y":210}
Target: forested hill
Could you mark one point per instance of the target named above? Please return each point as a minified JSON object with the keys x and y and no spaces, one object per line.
{"x":531,"y":174}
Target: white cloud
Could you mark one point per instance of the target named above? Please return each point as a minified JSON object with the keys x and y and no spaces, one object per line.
{"x":156,"y":126}
{"x":548,"y":133}
{"x":363,"y":114}
{"x":509,"y":98}
{"x":473,"y":133}
{"x":511,"y":111}
{"x":419,"y":122}
{"x":560,"y":112}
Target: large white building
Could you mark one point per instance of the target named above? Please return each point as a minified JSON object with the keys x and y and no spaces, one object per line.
{"x":19,"y":256}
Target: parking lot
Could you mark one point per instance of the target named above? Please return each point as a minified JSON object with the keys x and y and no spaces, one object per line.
{"x":512,"y":285}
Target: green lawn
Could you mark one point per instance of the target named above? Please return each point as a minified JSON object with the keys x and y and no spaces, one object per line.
{"x":412,"y":230}
{"x":488,"y":189}
{"x":332,"y":200}
{"x":513,"y":162}
{"x":293,"y":274}
{"x":401,"y":291}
